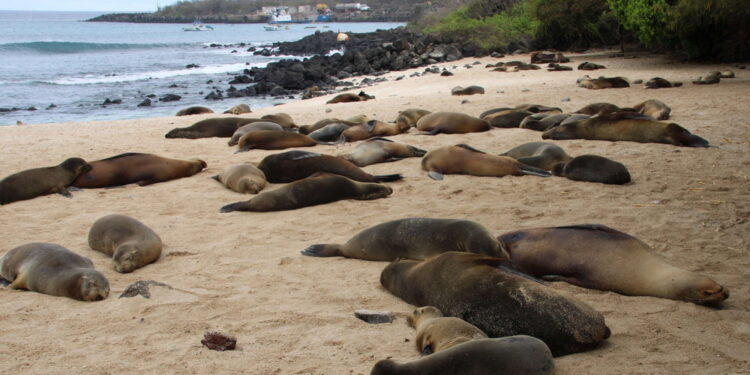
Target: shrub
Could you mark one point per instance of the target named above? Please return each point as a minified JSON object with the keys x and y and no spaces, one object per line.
{"x":567,"y":24}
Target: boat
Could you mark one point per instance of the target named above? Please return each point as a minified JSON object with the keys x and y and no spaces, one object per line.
{"x":272,"y":27}
{"x":279,"y":15}
{"x":198,"y":26}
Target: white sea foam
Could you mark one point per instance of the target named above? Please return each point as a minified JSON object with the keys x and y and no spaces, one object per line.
{"x":129,"y":77}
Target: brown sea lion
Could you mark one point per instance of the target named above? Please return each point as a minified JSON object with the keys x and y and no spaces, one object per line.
{"x":542,"y":155}
{"x":318,"y":189}
{"x":518,"y":355}
{"x":623,"y":126}
{"x":724,"y":74}
{"x":598,"y":108}
{"x":130,"y":243}
{"x":710,"y":79}
{"x":599,"y":257}
{"x":436,"y":332}
{"x":52,"y":269}
{"x":349,"y":97}
{"x":590,"y":66}
{"x":381,"y":150}
{"x":463,"y":159}
{"x":593,"y":168}
{"x":355,"y":120}
{"x":555,"y":67}
{"x":472,"y":287}
{"x":413,"y":238}
{"x":470,"y":90}
{"x":543,"y":121}
{"x":142,"y":169}
{"x":329,"y":133}
{"x":282,"y":119}
{"x":273,"y":140}
{"x":411,"y":116}
{"x":451,"y":123}
{"x":372,"y":128}
{"x":253,"y":126}
{"x":533,"y":108}
{"x":295,"y":165}
{"x":196,"y":110}
{"x":653,"y":108}
{"x":243,"y":178}
{"x":511,"y":118}
{"x":239,"y":109}
{"x":35,"y":182}
{"x":603,"y":83}
{"x":520,"y":65}
{"x":212,"y":127}
{"x":544,"y":57}
{"x":660,"y":83}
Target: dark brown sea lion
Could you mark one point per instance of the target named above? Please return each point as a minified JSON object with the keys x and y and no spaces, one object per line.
{"x":239,"y":109}
{"x":243,"y":178}
{"x":593,"y":168}
{"x":319,"y":189}
{"x":555,"y":67}
{"x":589,"y":66}
{"x":142,"y":169}
{"x":533,"y":108}
{"x":451,"y":123}
{"x":212,"y":127}
{"x":712,"y":78}
{"x":253,"y":126}
{"x":197,"y":110}
{"x":599,"y":108}
{"x":372,"y":128}
{"x":380,"y":150}
{"x":622,"y":126}
{"x":603,"y":83}
{"x":52,"y":269}
{"x":598,"y":257}
{"x":307,"y":129}
{"x":544,"y":57}
{"x":413,"y":238}
{"x":130,"y":243}
{"x":653,"y":108}
{"x":520,"y":65}
{"x":543,"y":121}
{"x":436,"y":332}
{"x":349,"y":97}
{"x":329,"y":133}
{"x":472,"y":287}
{"x":660,"y":83}
{"x":273,"y":140}
{"x":35,"y":182}
{"x":470,"y":90}
{"x":463,"y":159}
{"x":511,"y":118}
{"x":542,"y":155}
{"x":295,"y":165}
{"x":507,"y":355}
{"x":410,"y":116}
{"x":282,"y":119}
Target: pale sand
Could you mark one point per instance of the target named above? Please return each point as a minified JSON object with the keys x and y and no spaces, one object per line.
{"x":242,"y":274}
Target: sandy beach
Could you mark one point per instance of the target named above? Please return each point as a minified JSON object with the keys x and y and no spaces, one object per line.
{"x":242,"y":274}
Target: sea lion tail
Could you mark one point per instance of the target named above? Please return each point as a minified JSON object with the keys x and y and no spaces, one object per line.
{"x":237,"y":206}
{"x":533,"y":171}
{"x":388,"y":177}
{"x":322,"y":250}
{"x":216,"y":178}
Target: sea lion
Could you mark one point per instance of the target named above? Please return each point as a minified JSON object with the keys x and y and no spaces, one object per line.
{"x":624,"y":126}
{"x":52,"y":269}
{"x":318,"y":189}
{"x":555,"y":67}
{"x":542,"y":155}
{"x":295,"y":165}
{"x":520,"y":65}
{"x":451,"y":123}
{"x":349,"y":97}
{"x":212,"y":127}
{"x":130,"y":243}
{"x":142,"y":169}
{"x":196,"y":110}
{"x":593,"y":168}
{"x":653,"y":108}
{"x":282,"y":119}
{"x":543,"y":121}
{"x":470,"y":90}
{"x":411,"y":116}
{"x":436,"y":332}
{"x":602,"y":83}
{"x":660,"y":83}
{"x":598,"y":108}
{"x":243,"y":178}
{"x":573,"y":118}
{"x":370,"y":129}
{"x":239,"y":109}
{"x":544,"y":57}
{"x":273,"y":140}
{"x":507,"y":355}
{"x":511,"y":118}
{"x":589,"y":66}
{"x":307,"y":129}
{"x":35,"y":182}
{"x":710,"y":79}
{"x":380,"y":150}
{"x":253,"y":126}
{"x":724,"y":74}
{"x":413,"y":238}
{"x":329,"y":133}
{"x":463,"y":159}
{"x":599,"y":257}
{"x":472,"y":287}
{"x":533,"y":108}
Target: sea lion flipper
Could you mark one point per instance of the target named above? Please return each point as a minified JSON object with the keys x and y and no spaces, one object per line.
{"x":379,"y":139}
{"x":435,"y":175}
{"x":322,"y":250}
{"x":427,"y":350}
{"x":231,"y":207}
{"x":533,"y":171}
{"x":216,"y":177}
{"x":4,"y":282}
{"x":388,"y":177}
{"x":570,"y":280}
{"x":464,"y":145}
{"x":65,"y":192}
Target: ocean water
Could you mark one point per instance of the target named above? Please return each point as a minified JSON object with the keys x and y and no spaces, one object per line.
{"x":52,"y":58}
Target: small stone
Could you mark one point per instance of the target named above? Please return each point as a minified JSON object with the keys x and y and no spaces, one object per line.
{"x":525,"y":90}
{"x":218,"y":341}
{"x":145,"y":103}
{"x":565,"y":99}
{"x":374,"y":317}
{"x":328,"y":110}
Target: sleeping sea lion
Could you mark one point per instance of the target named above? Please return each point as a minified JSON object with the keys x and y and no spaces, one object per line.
{"x":130,"y":243}
{"x":295,"y":165}
{"x":436,"y":332}
{"x":653,"y":108}
{"x":543,"y":121}
{"x":411,"y":116}
{"x":282,"y":119}
{"x":318,"y":189}
{"x":463,"y":159}
{"x":212,"y":127}
{"x":349,"y":97}
{"x":253,"y":126}
{"x":603,"y":83}
{"x":370,"y":129}
{"x":451,"y":123}
{"x":239,"y":109}
{"x":307,"y":129}
{"x":589,"y":66}
{"x":380,"y":150}
{"x":52,"y":269}
{"x":413,"y":238}
{"x":243,"y":178}
{"x":598,"y":109}
{"x":35,"y":182}
{"x":472,"y":287}
{"x":196,"y":110}
{"x":470,"y":90}
{"x":273,"y":140}
{"x":511,"y":118}
{"x":329,"y":133}
{"x":660,"y":83}
{"x":712,"y":78}
{"x":542,"y":155}
{"x":599,"y":257}
{"x":593,"y":168}
{"x":142,"y":169}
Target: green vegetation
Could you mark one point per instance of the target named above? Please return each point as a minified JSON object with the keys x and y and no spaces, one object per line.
{"x":567,"y":24}
{"x":647,"y":19}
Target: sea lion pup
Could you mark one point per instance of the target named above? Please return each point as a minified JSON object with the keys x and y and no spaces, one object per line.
{"x":413,"y":238}
{"x":472,"y":287}
{"x":212,"y":127}
{"x":507,"y":355}
{"x":381,"y":150}
{"x":273,"y":140}
{"x":660,"y":83}
{"x":239,"y":109}
{"x":253,"y":126}
{"x":598,"y":257}
{"x":626,"y":126}
{"x":542,"y":155}
{"x":602,"y":83}
{"x":593,"y":168}
{"x":318,"y":189}
{"x":511,"y":118}
{"x":196,"y":110}
{"x":349,"y":97}
{"x":451,"y":123}
{"x":471,"y":90}
{"x":542,"y":121}
{"x":653,"y":108}
{"x":243,"y":178}
{"x":436,"y":332}
{"x":710,"y":79}
{"x":130,"y":243}
{"x":602,"y":108}
{"x":370,"y":129}
{"x":295,"y":165}
{"x":355,"y":120}
{"x":36,"y":182}
{"x":282,"y":119}
{"x":590,"y":66}
{"x":411,"y":116}
{"x":464,"y":159}
{"x":142,"y":169}
{"x":52,"y":269}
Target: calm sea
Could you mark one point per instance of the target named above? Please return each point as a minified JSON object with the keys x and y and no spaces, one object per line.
{"x":51,"y":58}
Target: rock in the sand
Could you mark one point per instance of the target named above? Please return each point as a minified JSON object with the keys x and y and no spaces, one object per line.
{"x":374,"y":317}
{"x":145,"y":103}
{"x":142,"y":288}
{"x":219,"y":341}
{"x":170,"y":98}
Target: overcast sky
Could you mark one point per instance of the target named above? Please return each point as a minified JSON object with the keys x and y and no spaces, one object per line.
{"x":85,"y":5}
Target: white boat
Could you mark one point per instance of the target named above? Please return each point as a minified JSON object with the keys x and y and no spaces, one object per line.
{"x":272,"y":27}
{"x":279,"y":15}
{"x":198,"y":26}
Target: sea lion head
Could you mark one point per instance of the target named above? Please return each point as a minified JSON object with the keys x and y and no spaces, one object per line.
{"x":394,"y":271}
{"x":250,"y":186}
{"x":424,"y":312}
{"x":198,"y":164}
{"x":376,"y":191}
{"x":76,"y":165}
{"x":703,"y":290}
{"x":92,"y":286}
{"x":558,"y":169}
{"x":384,"y":367}
{"x":125,"y":258}
{"x":567,"y":131}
